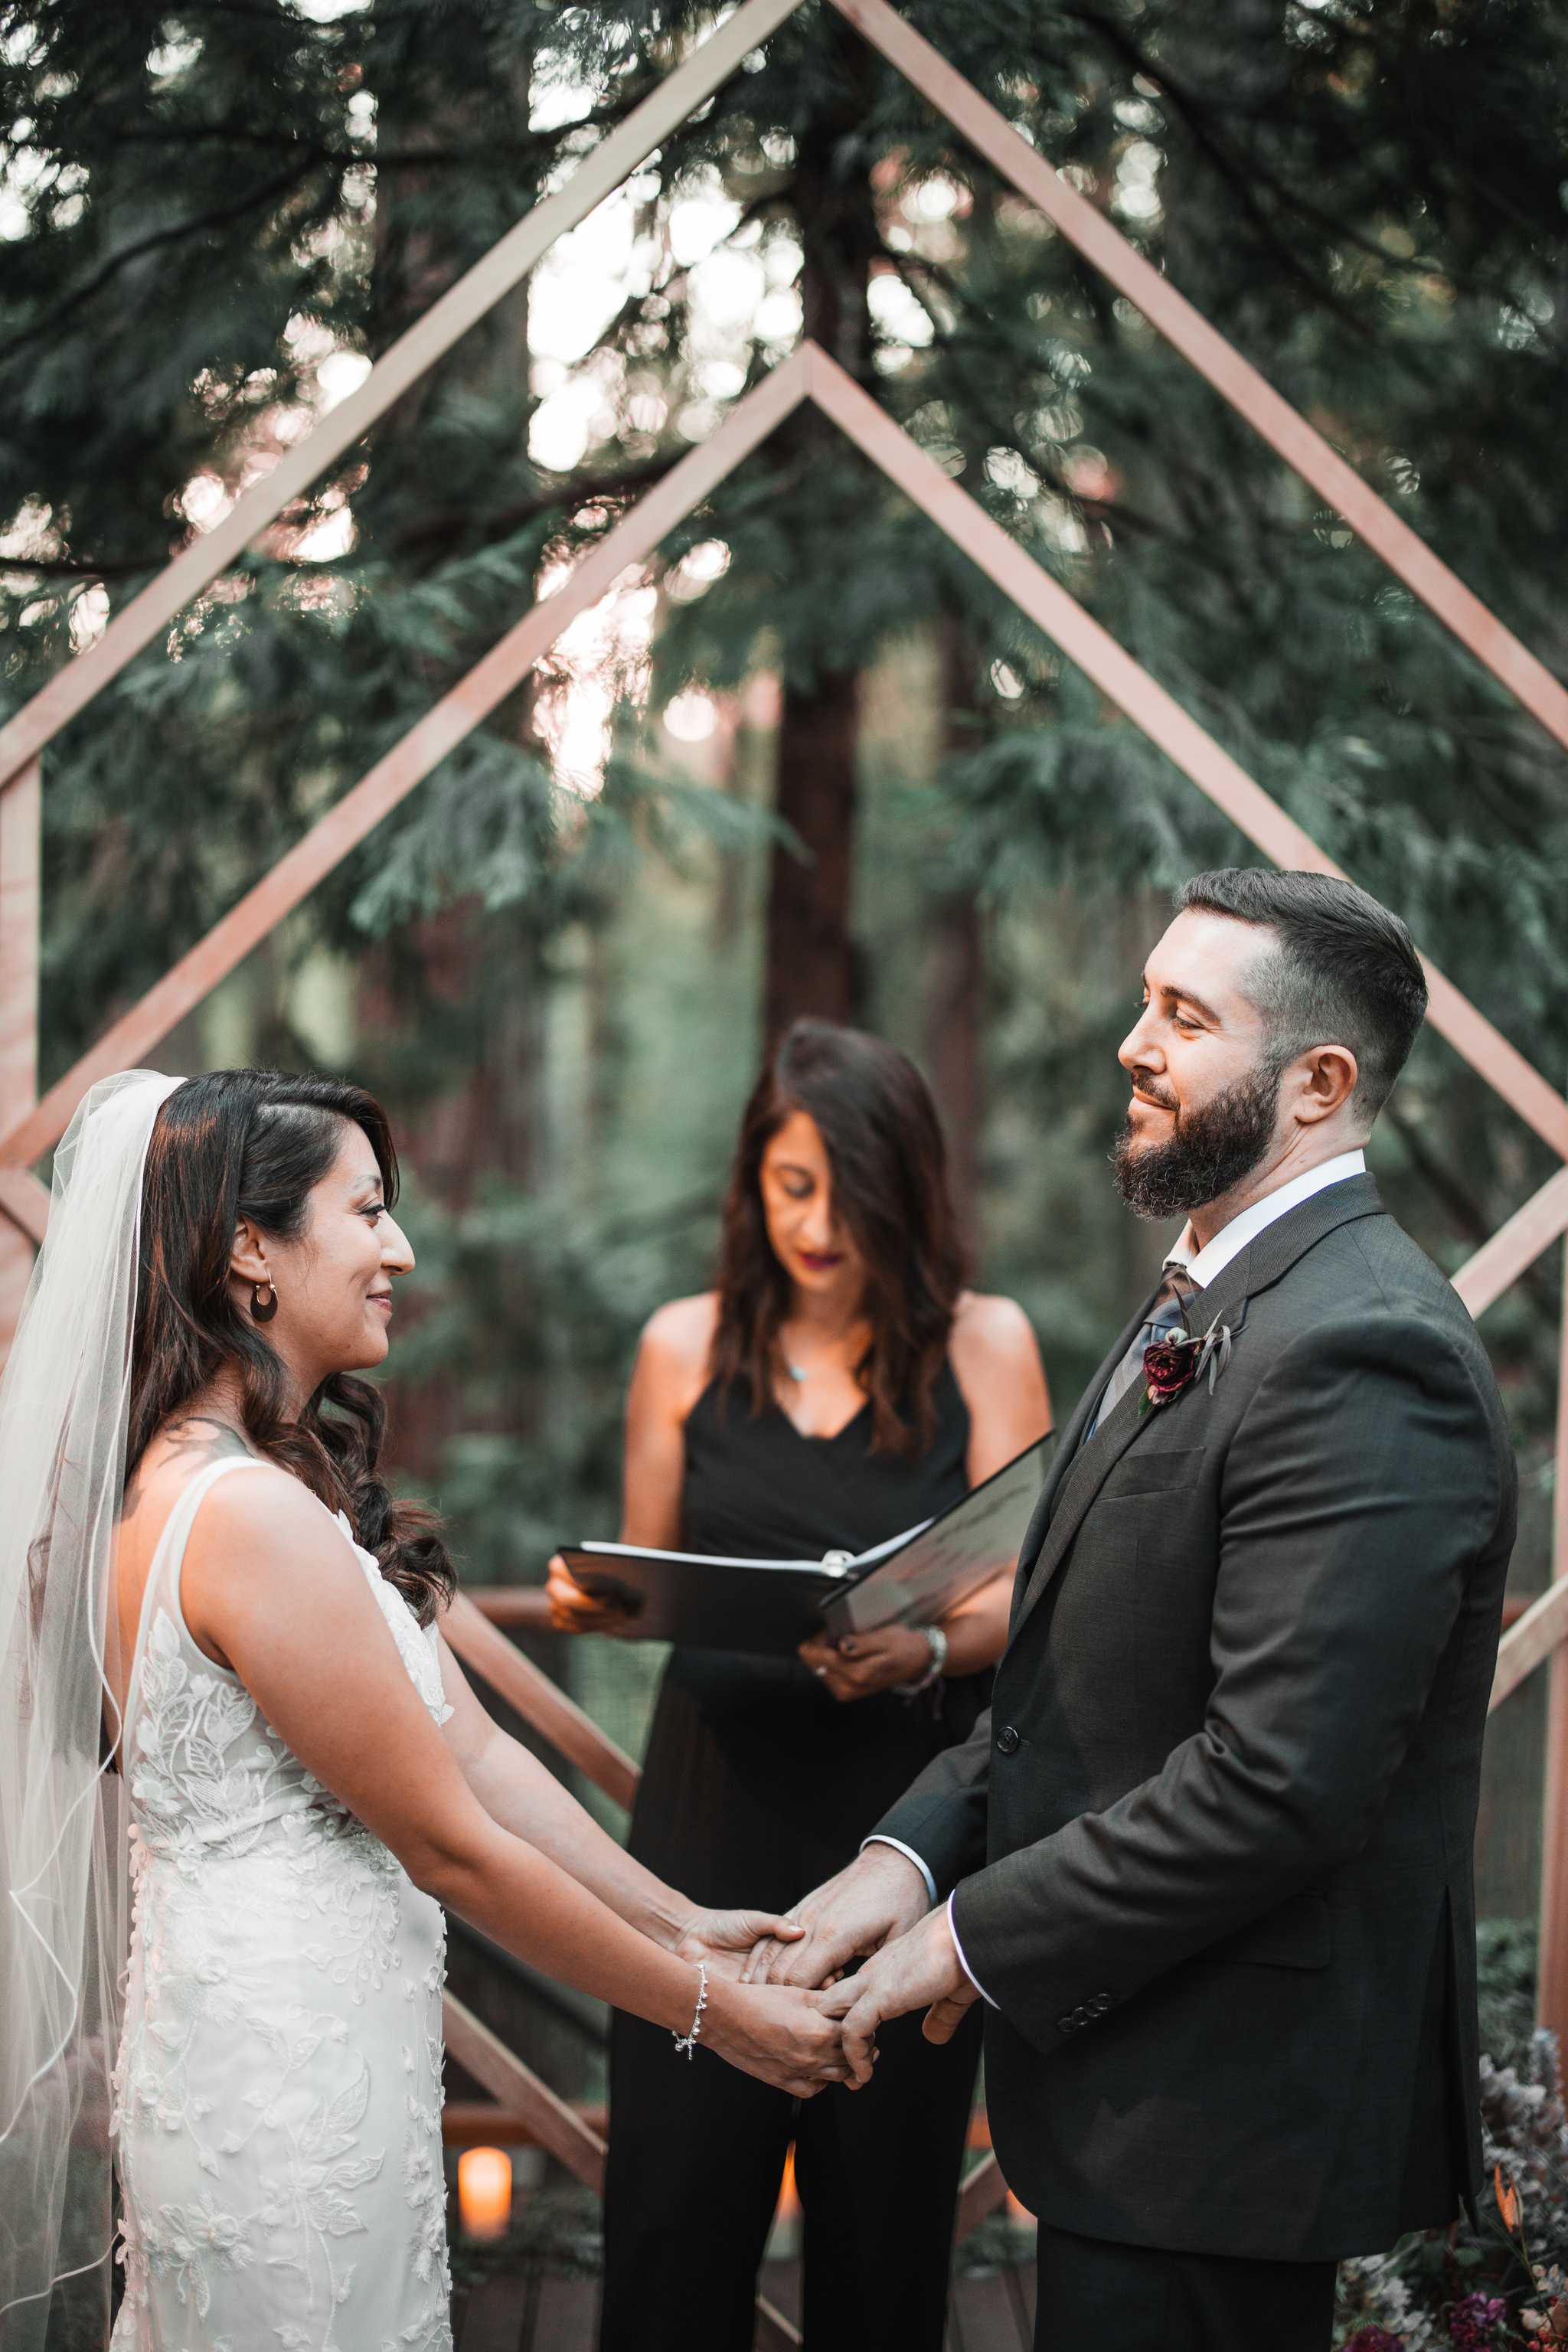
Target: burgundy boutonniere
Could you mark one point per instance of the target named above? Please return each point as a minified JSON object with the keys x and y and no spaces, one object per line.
{"x":1172,"y":1365}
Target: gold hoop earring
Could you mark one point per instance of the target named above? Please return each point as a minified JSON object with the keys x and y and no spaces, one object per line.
{"x":263,"y":1312}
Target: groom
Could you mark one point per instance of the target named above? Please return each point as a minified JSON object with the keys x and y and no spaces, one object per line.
{"x":1208,"y":1859}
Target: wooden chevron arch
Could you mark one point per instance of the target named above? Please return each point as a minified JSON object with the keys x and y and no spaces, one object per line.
{"x":30,"y":1127}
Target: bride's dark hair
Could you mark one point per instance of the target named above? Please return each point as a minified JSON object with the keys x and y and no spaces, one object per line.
{"x":253,"y":1144}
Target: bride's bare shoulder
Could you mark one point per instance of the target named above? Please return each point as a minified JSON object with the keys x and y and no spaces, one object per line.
{"x":172,"y":1457}
{"x":269,"y":1505}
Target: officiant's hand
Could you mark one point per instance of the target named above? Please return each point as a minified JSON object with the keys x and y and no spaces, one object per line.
{"x":573,"y":1611}
{"x":918,"y":1970}
{"x":879,"y":1895}
{"x":726,"y":1939}
{"x":860,"y":1664}
{"x":777,"y":2033}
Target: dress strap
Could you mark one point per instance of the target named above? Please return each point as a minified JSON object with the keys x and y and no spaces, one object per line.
{"x":169,"y":1553}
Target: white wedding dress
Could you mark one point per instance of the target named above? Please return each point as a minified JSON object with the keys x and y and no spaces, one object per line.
{"x":279,"y":2089}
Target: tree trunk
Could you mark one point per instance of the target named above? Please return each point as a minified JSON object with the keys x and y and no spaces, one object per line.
{"x":480,"y":978}
{"x":811,"y":963}
{"x":954,"y":1026}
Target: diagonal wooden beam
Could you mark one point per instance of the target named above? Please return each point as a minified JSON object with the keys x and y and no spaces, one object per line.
{"x":1128,"y":685}
{"x":25,"y":1201}
{"x":1122,"y":680}
{"x":135,"y":1035}
{"x":502,"y":268}
{"x":1206,"y":349}
{"x":1501,"y":1261}
{"x":539,"y":1702}
{"x":1529,"y":1641}
{"x":981,"y":2194}
{"x":553,"y":2123}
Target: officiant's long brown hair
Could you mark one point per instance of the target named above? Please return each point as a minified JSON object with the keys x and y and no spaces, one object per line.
{"x":885,"y":1147}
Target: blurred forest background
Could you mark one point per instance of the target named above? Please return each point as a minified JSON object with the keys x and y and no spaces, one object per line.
{"x":809,"y":760}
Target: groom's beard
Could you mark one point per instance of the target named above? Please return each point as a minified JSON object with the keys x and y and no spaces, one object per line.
{"x":1207,"y":1151}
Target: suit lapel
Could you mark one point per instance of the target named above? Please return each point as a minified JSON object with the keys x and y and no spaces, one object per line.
{"x":1069,"y":1448}
{"x":1087,"y":1474}
{"x":1078,"y":1475}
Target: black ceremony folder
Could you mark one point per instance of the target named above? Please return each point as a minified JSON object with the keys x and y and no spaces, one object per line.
{"x":772,"y":1605}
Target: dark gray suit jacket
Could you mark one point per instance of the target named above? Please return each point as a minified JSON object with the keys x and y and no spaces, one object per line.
{"x":1212,"y":1845}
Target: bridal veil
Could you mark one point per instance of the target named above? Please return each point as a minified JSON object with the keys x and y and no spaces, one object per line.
{"x":64,"y":1401}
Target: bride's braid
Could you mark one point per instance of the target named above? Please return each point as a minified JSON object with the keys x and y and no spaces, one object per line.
{"x":253,"y":1144}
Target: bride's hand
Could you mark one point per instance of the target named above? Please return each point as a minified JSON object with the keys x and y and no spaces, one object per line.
{"x":775,"y":2032}
{"x":726,"y":1939}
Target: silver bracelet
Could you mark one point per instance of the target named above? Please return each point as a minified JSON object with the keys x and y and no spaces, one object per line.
{"x":687,"y":2041}
{"x":937,"y":1641}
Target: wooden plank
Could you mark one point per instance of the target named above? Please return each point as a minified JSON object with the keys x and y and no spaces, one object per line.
{"x":556,"y":2127}
{"x":1551,"y":1979}
{"x":492,"y":2316}
{"x":566,"y":2315}
{"x":475,"y":2123}
{"x":1535,"y":1634}
{"x":26,"y":1202}
{"x":985,"y":2315}
{"x":521,"y":1608}
{"x":21,"y":820}
{"x":503,"y":267}
{"x":21,"y":825}
{"x":775,"y":2333}
{"x":135,"y":1036}
{"x":981,"y":2194}
{"x":1500,"y":1262}
{"x":539,"y":1701}
{"x":1128,"y":685}
{"x":1206,"y":349}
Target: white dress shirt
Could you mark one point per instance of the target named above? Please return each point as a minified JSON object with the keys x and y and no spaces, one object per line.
{"x":1201,"y":1267}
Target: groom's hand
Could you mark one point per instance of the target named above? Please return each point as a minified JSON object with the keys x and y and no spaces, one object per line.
{"x":920,"y":1969}
{"x":879,"y":1895}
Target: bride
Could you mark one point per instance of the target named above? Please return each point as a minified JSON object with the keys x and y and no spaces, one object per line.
{"x":204,"y":1583}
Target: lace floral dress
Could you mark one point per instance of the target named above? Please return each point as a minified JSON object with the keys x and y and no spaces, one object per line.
{"x":279,"y":2089}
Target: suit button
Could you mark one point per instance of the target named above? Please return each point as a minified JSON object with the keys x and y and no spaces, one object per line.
{"x":1007,"y":1740}
{"x":1067,"y":2025}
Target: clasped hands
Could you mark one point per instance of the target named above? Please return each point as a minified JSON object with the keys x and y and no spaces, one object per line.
{"x":876,"y":1912}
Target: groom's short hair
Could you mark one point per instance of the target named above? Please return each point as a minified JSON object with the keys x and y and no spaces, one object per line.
{"x":1340,"y":970}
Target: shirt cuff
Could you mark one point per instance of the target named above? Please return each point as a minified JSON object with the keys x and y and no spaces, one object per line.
{"x":910,"y":1856}
{"x":958,"y":1947}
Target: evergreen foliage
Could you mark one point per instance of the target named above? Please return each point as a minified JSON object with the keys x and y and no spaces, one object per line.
{"x":212,"y":209}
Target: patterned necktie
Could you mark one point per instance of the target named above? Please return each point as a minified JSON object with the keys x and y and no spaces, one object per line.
{"x":1166,"y":1313}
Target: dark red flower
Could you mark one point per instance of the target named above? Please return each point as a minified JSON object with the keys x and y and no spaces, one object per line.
{"x":1169,"y":1367}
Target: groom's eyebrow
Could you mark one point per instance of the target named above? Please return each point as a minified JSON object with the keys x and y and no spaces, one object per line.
{"x":1190,"y":996}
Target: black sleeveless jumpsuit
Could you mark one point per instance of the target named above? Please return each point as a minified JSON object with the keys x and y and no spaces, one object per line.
{"x":757,"y":1785}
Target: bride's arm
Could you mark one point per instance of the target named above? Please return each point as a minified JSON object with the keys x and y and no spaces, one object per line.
{"x":269,"y":1587}
{"x":524,"y":1796}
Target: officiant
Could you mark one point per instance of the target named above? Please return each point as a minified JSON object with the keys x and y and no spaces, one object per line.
{"x":839,"y":1384}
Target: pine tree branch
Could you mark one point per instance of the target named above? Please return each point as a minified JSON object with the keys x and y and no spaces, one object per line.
{"x":195,"y":225}
{"x":1245,"y":172}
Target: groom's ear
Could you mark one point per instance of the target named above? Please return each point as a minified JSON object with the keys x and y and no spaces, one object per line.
{"x":1321,"y":1082}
